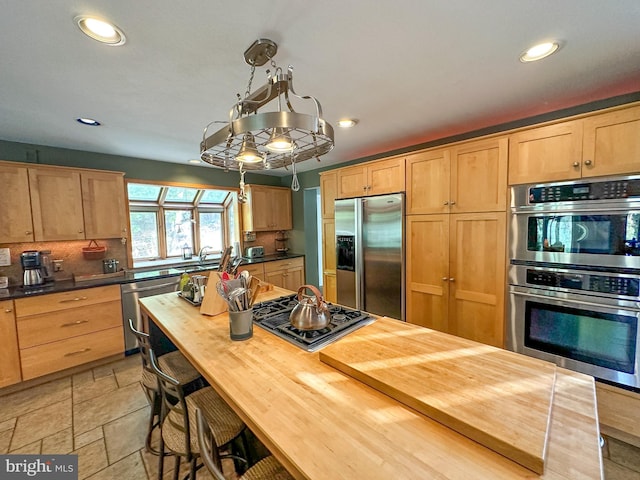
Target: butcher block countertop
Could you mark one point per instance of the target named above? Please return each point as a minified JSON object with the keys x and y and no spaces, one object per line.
{"x":322,"y":423}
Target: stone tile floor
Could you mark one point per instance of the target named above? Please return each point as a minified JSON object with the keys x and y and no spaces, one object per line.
{"x":101,"y":415}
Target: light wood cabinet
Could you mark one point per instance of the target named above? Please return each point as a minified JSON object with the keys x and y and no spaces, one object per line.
{"x":66,"y":329}
{"x":9,"y":353}
{"x":328,"y":193}
{"x":56,"y":204}
{"x":598,"y":145}
{"x":618,"y":413}
{"x":372,"y":178}
{"x":267,"y":209}
{"x":287,"y":273}
{"x":456,"y":274}
{"x":16,"y":225}
{"x":255,"y":270}
{"x":104,"y":205}
{"x":470,"y":177}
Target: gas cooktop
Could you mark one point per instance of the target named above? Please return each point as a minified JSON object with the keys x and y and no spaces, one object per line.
{"x":273,"y":316}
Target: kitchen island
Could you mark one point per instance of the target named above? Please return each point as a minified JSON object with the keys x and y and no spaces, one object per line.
{"x":323,"y":424}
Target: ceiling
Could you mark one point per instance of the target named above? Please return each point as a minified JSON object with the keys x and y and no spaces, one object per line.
{"x":410,"y":71}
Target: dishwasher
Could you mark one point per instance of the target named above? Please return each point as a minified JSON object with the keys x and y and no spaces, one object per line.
{"x":131,"y":293}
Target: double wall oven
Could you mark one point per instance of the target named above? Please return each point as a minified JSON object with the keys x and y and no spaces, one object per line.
{"x":574,"y":276}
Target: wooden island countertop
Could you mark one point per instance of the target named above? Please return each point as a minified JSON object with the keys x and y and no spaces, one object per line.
{"x":323,"y":424}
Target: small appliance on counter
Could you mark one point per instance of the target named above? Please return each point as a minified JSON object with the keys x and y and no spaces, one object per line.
{"x":254,"y":252}
{"x":47,"y":265}
{"x":110,"y":265}
{"x":32,"y":268}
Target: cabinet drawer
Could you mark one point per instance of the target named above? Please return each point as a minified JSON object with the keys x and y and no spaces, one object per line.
{"x":56,"y":356}
{"x":283,"y":264}
{"x":66,"y":300}
{"x":50,"y":327}
{"x":254,"y":270}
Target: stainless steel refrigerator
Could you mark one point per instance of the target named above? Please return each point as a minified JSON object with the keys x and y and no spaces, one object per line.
{"x":370,"y":254}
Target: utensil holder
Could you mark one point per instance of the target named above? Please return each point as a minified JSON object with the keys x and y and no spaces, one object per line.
{"x":241,"y":324}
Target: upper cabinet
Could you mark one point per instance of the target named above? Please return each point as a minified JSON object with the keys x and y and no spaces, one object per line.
{"x":604,"y":144}
{"x":470,"y":177}
{"x":50,"y":203}
{"x":16,"y":225}
{"x":328,"y":193}
{"x":267,"y":209}
{"x":56,"y":204}
{"x":371,"y":178}
{"x":104,"y":205}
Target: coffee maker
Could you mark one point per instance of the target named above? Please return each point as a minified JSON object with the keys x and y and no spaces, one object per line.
{"x":32,"y":266}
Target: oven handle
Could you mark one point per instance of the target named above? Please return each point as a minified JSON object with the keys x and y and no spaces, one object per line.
{"x":575,"y":210}
{"x":576,"y":301}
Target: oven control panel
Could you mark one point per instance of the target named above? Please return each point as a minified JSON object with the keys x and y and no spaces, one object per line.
{"x":606,"y":190}
{"x":616,"y":285}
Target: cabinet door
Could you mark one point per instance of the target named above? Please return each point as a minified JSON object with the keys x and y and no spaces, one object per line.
{"x":330,"y":287}
{"x":16,"y":225}
{"x":56,"y":204}
{"x":254,"y":270}
{"x":428,"y":176}
{"x":9,"y":354}
{"x":281,"y":215}
{"x":477,"y":277}
{"x":293,"y":278}
{"x":329,"y":246}
{"x":427,"y":270}
{"x":328,"y":193}
{"x":479,"y":176}
{"x":352,"y":182}
{"x":385,"y":176}
{"x":612,"y":143}
{"x":546,"y":154}
{"x":104,"y":205}
{"x":259,"y":207}
{"x":276,"y":278}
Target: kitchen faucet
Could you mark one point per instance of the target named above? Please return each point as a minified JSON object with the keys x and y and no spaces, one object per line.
{"x":204,"y":251}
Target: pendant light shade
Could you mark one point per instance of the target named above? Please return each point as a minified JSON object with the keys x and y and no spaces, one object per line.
{"x":280,"y":140}
{"x":248,"y":152}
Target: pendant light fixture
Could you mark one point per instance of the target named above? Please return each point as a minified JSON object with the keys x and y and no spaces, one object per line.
{"x":257,"y":140}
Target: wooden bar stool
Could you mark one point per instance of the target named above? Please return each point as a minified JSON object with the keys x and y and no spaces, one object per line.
{"x":174,"y":363}
{"x":179,"y":436}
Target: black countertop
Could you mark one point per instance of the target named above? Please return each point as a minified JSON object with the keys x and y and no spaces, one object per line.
{"x":129,"y":276}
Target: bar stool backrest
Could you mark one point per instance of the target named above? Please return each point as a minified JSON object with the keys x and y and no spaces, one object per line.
{"x":173,"y":399}
{"x":208,"y":450}
{"x":145,"y":346}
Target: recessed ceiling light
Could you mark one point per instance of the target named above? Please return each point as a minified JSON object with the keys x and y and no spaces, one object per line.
{"x":539,"y":51}
{"x":100,"y":30}
{"x":347,"y":123}
{"x":88,"y":121}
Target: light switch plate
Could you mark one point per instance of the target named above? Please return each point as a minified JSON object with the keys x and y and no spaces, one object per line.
{"x":5,"y":257}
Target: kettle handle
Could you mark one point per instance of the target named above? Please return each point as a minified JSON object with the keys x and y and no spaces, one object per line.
{"x":316,"y":292}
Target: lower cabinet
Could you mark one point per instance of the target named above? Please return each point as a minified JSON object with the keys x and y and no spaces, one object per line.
{"x":9,"y":354}
{"x":287,"y":273}
{"x":456,"y":274}
{"x":330,"y":287}
{"x":63,"y":330}
{"x":255,"y":270}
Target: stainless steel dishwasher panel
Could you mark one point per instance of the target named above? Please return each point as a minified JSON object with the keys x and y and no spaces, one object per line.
{"x":131,"y":293}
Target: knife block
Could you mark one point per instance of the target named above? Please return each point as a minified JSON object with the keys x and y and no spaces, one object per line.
{"x":212,"y":303}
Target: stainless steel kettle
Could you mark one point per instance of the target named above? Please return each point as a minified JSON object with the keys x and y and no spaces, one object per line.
{"x":312,"y":312}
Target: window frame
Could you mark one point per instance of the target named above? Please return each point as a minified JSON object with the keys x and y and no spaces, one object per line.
{"x":230,"y":207}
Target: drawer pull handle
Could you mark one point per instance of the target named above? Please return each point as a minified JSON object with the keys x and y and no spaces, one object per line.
{"x":76,"y":299}
{"x":71,"y":354}
{"x":77,"y":322}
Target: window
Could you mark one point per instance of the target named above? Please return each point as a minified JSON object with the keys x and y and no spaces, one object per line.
{"x":166,"y":219}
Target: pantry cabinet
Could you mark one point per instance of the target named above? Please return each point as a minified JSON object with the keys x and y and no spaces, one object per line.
{"x":456,"y":274}
{"x":371,"y":178}
{"x":16,"y":225}
{"x":287,"y":273}
{"x":62,"y":330}
{"x":267,"y":209}
{"x":597,"y":145}
{"x":328,"y":193}
{"x":470,"y":177}
{"x":9,"y":354}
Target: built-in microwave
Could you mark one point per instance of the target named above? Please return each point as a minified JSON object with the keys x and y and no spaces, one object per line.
{"x":595,"y":223}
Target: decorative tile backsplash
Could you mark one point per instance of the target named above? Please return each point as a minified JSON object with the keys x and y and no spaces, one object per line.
{"x":70,"y":252}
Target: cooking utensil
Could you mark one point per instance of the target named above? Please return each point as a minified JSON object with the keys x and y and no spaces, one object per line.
{"x":312,"y":312}
{"x":224,"y":260}
{"x":254,"y":286}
